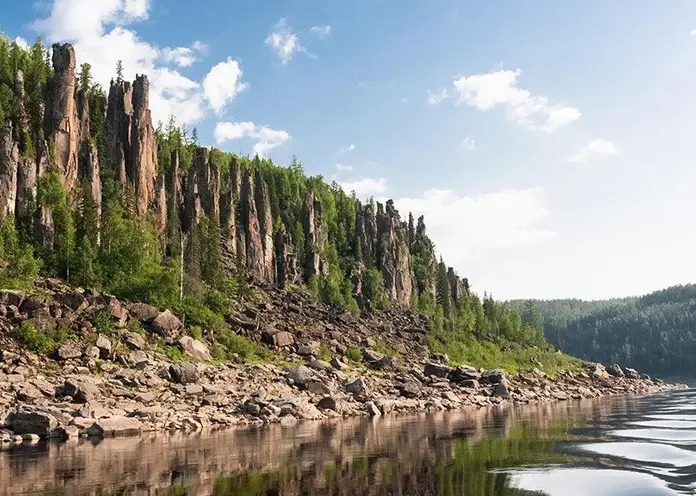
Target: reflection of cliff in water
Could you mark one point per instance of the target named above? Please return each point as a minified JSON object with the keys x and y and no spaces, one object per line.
{"x":443,"y":454}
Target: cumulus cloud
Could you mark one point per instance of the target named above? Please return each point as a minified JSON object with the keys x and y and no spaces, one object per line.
{"x":594,"y":149}
{"x":222,"y":83}
{"x":437,"y":97}
{"x":346,"y":149}
{"x":21,"y":42}
{"x":321,"y":31}
{"x":266,"y":137}
{"x":501,"y":220}
{"x":488,"y":91}
{"x":344,"y":167}
{"x":184,"y":56}
{"x":365,"y":187}
{"x":284,"y":42}
{"x":102,"y":35}
{"x":469,"y":144}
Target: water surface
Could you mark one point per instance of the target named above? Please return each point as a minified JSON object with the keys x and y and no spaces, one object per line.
{"x":616,"y":446}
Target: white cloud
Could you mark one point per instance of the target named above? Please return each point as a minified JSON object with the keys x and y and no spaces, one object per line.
{"x":501,"y":220}
{"x":596,"y":148}
{"x":437,"y":97}
{"x":487,"y":91}
{"x":344,"y":167}
{"x":469,"y":144}
{"x":365,"y":187}
{"x":222,"y":83}
{"x":101,"y":34}
{"x":347,"y":149}
{"x":321,"y":31}
{"x":266,"y":137}
{"x":184,"y":56}
{"x":692,"y":32}
{"x":284,"y":42}
{"x":21,"y":42}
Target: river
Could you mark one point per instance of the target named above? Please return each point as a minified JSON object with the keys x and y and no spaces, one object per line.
{"x":624,"y":446}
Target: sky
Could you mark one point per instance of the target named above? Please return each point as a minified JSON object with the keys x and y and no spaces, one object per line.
{"x":549,"y":145}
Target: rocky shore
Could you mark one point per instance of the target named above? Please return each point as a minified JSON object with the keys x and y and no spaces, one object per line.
{"x":100,"y":385}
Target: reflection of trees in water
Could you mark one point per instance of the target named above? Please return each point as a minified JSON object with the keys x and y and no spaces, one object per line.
{"x":443,"y":454}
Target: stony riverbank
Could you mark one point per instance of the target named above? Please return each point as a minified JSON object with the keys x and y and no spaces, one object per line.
{"x":124,"y":381}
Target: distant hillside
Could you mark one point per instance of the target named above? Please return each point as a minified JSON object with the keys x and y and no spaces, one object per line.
{"x":655,"y":332}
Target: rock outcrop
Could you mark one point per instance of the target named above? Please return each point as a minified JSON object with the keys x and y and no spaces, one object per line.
{"x":393,"y":254}
{"x":142,"y":168}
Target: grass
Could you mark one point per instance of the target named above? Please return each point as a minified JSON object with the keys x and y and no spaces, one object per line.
{"x":384,"y":349}
{"x":230,"y":345}
{"x":353,"y":354}
{"x":174,"y":353}
{"x":324,"y":352}
{"x":39,"y":342}
{"x":511,"y":357}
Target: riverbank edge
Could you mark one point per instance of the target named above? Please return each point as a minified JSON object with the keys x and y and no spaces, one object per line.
{"x":189,"y":397}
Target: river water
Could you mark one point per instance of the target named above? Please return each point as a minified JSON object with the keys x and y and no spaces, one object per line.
{"x":615,"y":446}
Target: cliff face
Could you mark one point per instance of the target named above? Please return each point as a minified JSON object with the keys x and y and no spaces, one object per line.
{"x":235,"y":197}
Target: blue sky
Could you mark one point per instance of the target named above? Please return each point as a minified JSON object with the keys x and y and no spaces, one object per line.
{"x":550,"y":145}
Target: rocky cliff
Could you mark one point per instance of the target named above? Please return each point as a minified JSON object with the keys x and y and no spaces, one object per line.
{"x":236,"y":198}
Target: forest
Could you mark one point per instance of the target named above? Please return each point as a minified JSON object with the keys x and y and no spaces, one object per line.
{"x":93,"y":231}
{"x":655,"y":333}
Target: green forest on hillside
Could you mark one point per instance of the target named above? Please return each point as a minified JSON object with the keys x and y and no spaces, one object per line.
{"x":654,"y":333}
{"x":122,"y":253}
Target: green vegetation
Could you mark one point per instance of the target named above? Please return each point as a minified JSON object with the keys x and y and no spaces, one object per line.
{"x":353,"y":354}
{"x":43,"y":342}
{"x":653,"y":333}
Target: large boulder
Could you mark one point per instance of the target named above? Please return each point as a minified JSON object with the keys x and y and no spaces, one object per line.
{"x":631,"y":373}
{"x":437,"y":369}
{"x":81,"y":391}
{"x":464,"y":373}
{"x":597,"y":370}
{"x":492,"y":376}
{"x":195,"y":348}
{"x":301,"y":376}
{"x":184,"y":373}
{"x":143,"y":312}
{"x":115,"y":426}
{"x":615,"y":370}
{"x":355,"y":387}
{"x":104,"y":346}
{"x":167,"y":324}
{"x":69,"y":351}
{"x":75,"y":301}
{"x":278,"y":338}
{"x":31,"y":421}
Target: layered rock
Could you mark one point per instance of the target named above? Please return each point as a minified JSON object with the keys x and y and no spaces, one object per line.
{"x":263,"y":209}
{"x":119,"y":114}
{"x":315,"y":236}
{"x":393,"y":254}
{"x":142,"y":168}
{"x":229,"y":199}
{"x":287,"y":268}
{"x":9,"y":160}
{"x":61,"y":122}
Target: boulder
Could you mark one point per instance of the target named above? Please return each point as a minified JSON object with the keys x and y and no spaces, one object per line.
{"x":370,"y":355}
{"x":69,"y":351}
{"x":92,"y":352}
{"x":328,"y":403}
{"x":355,"y":387}
{"x":372,"y":409}
{"x":384,"y":363}
{"x":11,"y":297}
{"x":464,"y":373}
{"x":115,"y":426}
{"x":184,"y":373}
{"x":631,"y":373}
{"x":195,"y":349}
{"x":32,"y":303}
{"x":81,"y":391}
{"x":167,"y":324}
{"x":134,"y":340}
{"x":500,"y":390}
{"x":409,"y":390}
{"x":301,"y":376}
{"x":337,"y":364}
{"x":75,"y":300}
{"x":492,"y":376}
{"x":280,"y":339}
{"x":31,"y":421}
{"x":320,"y":365}
{"x":598,"y":371}
{"x":67,"y":432}
{"x":137,"y":359}
{"x":615,"y":370}
{"x":27,"y":392}
{"x":104,"y":346}
{"x":437,"y":369}
{"x":143,"y":312}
